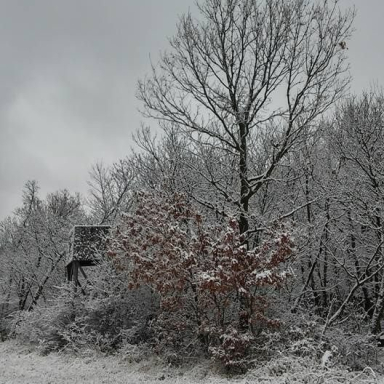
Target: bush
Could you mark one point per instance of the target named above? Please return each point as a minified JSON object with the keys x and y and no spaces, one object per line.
{"x":211,"y":287}
{"x":6,"y":310}
{"x":44,"y":325}
{"x":76,"y":322}
{"x":356,"y":351}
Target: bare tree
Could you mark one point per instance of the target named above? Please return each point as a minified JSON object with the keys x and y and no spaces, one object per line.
{"x":35,"y":244}
{"x":358,"y":140}
{"x":248,"y":78}
{"x":110,"y":190}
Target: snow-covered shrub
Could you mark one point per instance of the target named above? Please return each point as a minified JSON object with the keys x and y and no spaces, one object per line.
{"x":303,"y":337}
{"x":233,"y":348}
{"x":135,"y":352}
{"x":6,"y":319}
{"x":304,"y":347}
{"x":44,"y":325}
{"x":211,"y":287}
{"x":101,"y":321}
{"x":280,"y":366}
{"x":356,"y":351}
{"x":298,"y":335}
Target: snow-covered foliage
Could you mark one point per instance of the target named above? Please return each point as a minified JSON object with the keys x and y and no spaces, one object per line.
{"x":211,"y":287}
{"x":108,"y":318}
{"x":20,"y":364}
{"x":34,"y":246}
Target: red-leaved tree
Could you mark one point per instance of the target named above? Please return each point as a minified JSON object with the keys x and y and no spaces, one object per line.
{"x":199,"y":271}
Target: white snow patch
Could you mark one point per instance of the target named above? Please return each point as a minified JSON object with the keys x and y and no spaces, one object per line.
{"x":23,"y":365}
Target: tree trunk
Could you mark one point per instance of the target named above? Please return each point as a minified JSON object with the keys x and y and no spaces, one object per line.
{"x":378,"y":310}
{"x":244,"y":310}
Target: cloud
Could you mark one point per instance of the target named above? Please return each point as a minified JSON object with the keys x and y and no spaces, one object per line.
{"x":68,"y":72}
{"x":68,"y":75}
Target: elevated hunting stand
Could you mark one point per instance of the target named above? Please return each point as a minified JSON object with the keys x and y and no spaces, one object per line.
{"x":88,"y":246}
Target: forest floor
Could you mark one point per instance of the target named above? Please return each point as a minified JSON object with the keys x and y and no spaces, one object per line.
{"x":24,"y":365}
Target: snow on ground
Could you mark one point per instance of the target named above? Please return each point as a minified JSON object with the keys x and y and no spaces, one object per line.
{"x":23,"y":365}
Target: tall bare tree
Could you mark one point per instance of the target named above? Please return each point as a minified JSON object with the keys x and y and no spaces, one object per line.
{"x":248,"y":78}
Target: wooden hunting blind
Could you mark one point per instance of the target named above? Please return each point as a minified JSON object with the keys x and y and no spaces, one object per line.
{"x":88,"y":246}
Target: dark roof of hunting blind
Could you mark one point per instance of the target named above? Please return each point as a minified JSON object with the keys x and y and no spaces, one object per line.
{"x":88,"y":243}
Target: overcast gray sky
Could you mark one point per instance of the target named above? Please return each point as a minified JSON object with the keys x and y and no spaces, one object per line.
{"x":68,"y":75}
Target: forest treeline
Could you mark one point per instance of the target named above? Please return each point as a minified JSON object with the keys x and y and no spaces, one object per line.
{"x":257,"y":212}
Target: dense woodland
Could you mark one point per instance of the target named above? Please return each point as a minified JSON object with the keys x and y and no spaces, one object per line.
{"x":252,"y":223}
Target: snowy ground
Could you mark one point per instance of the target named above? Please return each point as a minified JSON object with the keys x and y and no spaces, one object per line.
{"x":21,"y":365}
